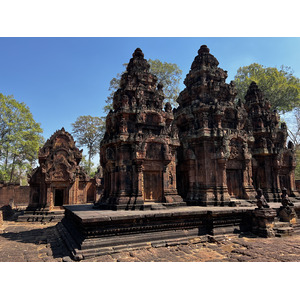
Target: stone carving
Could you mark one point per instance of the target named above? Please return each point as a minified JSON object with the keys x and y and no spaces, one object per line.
{"x":225,"y":148}
{"x":261,"y":200}
{"x":56,"y":181}
{"x":212,"y":125}
{"x":272,"y":172}
{"x":286,"y":212}
{"x":139,"y":165}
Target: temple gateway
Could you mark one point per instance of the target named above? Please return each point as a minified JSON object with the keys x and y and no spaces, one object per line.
{"x":211,"y":150}
{"x":59,"y":180}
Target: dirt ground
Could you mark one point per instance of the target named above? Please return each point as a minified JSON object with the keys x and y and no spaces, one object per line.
{"x":36,"y":242}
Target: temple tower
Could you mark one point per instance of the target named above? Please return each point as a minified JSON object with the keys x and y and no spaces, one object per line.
{"x":214,"y":160}
{"x":273,"y":162}
{"x":138,"y":151}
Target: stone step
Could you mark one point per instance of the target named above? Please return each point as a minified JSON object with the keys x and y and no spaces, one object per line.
{"x":234,"y":202}
{"x":279,"y":224}
{"x":284,"y":231}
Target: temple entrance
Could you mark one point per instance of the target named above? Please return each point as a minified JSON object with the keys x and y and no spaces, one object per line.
{"x":234,"y":183}
{"x":152,"y":186}
{"x":59,"y":197}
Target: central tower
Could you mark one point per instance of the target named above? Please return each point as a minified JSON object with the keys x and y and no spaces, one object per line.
{"x":214,"y":160}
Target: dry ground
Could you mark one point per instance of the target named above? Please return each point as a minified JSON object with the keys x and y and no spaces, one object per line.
{"x":36,"y":242}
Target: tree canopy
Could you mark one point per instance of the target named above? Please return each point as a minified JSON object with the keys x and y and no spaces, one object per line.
{"x":88,"y":132}
{"x":280,"y":87}
{"x":20,"y":139}
{"x":168,"y":74}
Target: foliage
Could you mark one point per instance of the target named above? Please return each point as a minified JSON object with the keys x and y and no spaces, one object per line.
{"x":167,"y":73}
{"x":297,"y":170}
{"x":280,"y":87}
{"x":20,"y":139}
{"x":88,"y":132}
{"x":114,"y":84}
{"x":90,"y":169}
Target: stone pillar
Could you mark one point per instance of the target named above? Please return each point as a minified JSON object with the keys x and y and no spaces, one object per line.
{"x":138,"y":181}
{"x":221,"y":181}
{"x":49,"y":199}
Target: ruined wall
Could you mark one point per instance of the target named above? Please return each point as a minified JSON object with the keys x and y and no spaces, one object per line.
{"x":14,"y":194}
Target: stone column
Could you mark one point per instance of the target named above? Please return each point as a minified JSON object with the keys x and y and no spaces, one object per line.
{"x":222,"y":181}
{"x":139,"y":184}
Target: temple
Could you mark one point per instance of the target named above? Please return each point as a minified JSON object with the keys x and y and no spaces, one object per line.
{"x":273,"y":163}
{"x":213,"y":150}
{"x":214,"y":160}
{"x":138,"y":151}
{"x":59,"y":179}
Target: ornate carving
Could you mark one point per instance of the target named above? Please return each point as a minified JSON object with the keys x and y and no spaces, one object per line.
{"x":150,"y":137}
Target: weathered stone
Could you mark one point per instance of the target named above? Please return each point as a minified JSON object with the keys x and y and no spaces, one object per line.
{"x":59,"y":179}
{"x":229,"y":147}
{"x":138,"y":150}
{"x":214,"y":160}
{"x":263,"y":222}
{"x":273,"y":163}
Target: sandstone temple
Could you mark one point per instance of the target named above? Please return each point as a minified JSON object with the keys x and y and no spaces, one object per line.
{"x":59,"y":180}
{"x":211,"y":150}
{"x":138,"y":151}
{"x":161,"y":165}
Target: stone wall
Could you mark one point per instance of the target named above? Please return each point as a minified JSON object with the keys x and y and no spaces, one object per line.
{"x":14,"y":195}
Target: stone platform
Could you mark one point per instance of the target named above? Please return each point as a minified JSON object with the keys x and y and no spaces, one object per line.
{"x":89,"y":232}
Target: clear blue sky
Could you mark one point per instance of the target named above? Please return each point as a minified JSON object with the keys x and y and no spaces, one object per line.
{"x":62,"y":78}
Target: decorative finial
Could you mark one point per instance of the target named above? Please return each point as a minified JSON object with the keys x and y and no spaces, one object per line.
{"x":138,"y":53}
{"x":203,"y":49}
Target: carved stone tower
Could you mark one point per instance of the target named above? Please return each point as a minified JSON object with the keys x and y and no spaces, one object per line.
{"x":214,"y":160}
{"x":273,"y":162}
{"x":59,"y":179}
{"x":138,"y":151}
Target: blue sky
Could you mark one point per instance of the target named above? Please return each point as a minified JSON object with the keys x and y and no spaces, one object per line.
{"x":62,"y":78}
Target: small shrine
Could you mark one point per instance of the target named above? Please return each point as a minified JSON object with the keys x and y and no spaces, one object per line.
{"x":59,"y":179}
{"x":138,"y":151}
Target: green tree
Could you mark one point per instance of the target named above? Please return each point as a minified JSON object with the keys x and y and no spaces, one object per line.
{"x":167,"y":73}
{"x":280,"y":87}
{"x":20,"y":139}
{"x":88,"y":131}
{"x":89,"y":168}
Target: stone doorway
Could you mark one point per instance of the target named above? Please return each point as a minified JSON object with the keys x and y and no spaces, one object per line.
{"x":59,"y":197}
{"x":234,"y":183}
{"x":152,"y":186}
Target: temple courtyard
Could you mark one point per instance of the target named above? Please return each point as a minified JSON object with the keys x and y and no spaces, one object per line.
{"x":37,"y":242}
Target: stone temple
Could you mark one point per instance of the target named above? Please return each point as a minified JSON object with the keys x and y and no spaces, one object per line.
{"x":162,"y":165}
{"x":138,"y":151}
{"x":59,"y":180}
{"x":211,"y":150}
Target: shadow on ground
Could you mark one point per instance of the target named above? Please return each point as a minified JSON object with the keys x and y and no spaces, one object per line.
{"x":48,"y":236}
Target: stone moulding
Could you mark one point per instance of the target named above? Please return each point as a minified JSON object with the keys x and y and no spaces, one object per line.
{"x":91,"y":233}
